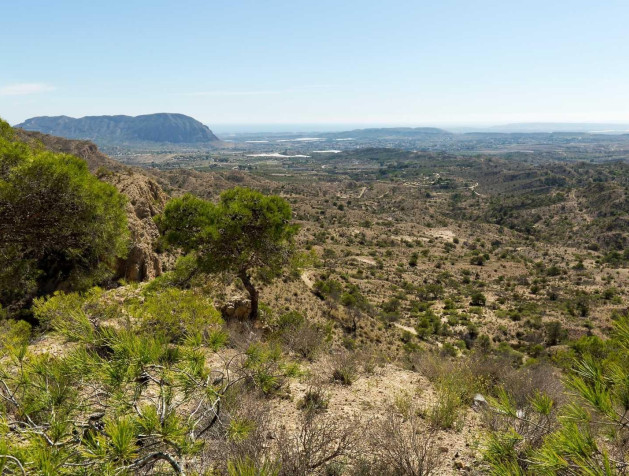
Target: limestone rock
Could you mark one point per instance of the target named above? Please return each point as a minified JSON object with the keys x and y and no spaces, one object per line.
{"x":236,"y":307}
{"x":145,"y":200}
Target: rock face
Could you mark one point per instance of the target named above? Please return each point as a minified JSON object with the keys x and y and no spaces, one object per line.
{"x":162,"y":127}
{"x":145,"y":200}
{"x":236,"y":307}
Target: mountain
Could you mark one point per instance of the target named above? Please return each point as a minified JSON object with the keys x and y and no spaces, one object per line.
{"x":390,"y":133}
{"x":536,"y":127}
{"x":156,"y":128}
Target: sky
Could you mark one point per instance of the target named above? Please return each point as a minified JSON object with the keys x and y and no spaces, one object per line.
{"x":271,"y":62}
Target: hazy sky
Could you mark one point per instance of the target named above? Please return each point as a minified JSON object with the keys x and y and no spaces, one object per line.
{"x":318,"y":61}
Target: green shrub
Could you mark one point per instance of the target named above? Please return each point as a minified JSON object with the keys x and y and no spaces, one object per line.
{"x":181,"y":276}
{"x":445,"y":412}
{"x":555,"y":333}
{"x":13,"y":335}
{"x":61,"y":227}
{"x":428,"y":324}
{"x":266,"y":368}
{"x":314,"y":400}
{"x":412,"y":262}
{"x":248,"y":467}
{"x":177,"y":314}
{"x":478,"y":299}
{"x":290,"y":320}
{"x":72,"y":314}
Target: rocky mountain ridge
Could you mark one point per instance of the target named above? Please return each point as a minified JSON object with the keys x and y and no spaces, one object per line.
{"x":149,"y":128}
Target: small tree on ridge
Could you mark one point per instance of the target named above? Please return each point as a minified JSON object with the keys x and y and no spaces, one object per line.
{"x":245,"y":232}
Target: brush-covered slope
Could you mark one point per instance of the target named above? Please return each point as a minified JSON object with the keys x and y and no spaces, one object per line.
{"x":145,"y":200}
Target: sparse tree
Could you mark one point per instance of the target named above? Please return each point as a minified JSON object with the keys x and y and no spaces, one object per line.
{"x":245,"y":232}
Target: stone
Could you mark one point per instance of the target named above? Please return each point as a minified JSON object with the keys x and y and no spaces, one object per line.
{"x":236,"y":307}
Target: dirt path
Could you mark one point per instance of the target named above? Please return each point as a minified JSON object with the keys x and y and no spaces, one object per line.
{"x":366,"y":260}
{"x":473,"y":189}
{"x":405,"y":328}
{"x":305,"y":277}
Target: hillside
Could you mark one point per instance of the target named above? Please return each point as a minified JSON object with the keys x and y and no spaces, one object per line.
{"x":150,"y":128}
{"x":435,"y":306}
{"x":145,"y":197}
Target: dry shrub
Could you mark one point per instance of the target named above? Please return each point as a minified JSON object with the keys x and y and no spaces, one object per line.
{"x":345,"y":367}
{"x":241,"y":433}
{"x":305,"y":339}
{"x":523,"y":383}
{"x":402,"y":447}
{"x":486,"y":373}
{"x":458,"y":381}
{"x":315,"y":400}
{"x":371,"y":358}
{"x":318,"y":444}
{"x":523,"y":387}
{"x":242,"y":334}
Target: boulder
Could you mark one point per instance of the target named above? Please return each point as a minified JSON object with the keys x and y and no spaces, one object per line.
{"x":236,"y":307}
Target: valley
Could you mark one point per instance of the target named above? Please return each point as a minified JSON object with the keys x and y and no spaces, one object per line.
{"x":353,"y":238}
{"x":415,"y":271}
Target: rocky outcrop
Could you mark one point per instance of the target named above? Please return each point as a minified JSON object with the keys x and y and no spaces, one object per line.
{"x":236,"y":307}
{"x":145,"y":200}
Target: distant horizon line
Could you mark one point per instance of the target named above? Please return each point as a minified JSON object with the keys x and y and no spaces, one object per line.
{"x":360,"y":123}
{"x":318,"y":126}
{"x":295,"y":127}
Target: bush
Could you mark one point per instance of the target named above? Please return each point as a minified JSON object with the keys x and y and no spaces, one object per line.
{"x":60,"y":227}
{"x":127,"y":397}
{"x":73,"y":315}
{"x":345,"y":369}
{"x":300,"y":336}
{"x":181,"y":276}
{"x":478,"y":299}
{"x":314,"y":400}
{"x":265,"y":367}
{"x":329,"y":289}
{"x":178,"y":314}
{"x":445,"y":413}
{"x":319,"y":443}
{"x":555,"y":333}
{"x":249,"y":467}
{"x":428,"y":324}
{"x":412,"y":262}
{"x":478,"y":260}
{"x":13,"y":335}
{"x":289,"y":320}
{"x":402,"y":446}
